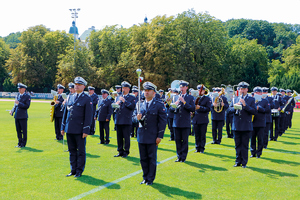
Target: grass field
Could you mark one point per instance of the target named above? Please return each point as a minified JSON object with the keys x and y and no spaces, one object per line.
{"x":38,"y":170}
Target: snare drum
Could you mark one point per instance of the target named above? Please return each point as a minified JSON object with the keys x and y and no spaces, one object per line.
{"x":275,"y":113}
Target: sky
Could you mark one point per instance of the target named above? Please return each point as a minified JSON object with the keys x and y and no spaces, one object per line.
{"x":19,"y":15}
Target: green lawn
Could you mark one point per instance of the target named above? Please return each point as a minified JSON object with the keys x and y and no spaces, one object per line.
{"x":38,"y":170}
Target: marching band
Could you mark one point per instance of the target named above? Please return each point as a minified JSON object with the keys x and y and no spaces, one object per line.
{"x":144,"y":114}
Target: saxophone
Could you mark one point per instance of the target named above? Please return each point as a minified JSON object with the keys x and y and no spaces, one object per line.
{"x":52,"y":104}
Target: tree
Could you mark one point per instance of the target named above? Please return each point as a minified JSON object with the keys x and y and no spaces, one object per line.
{"x":246,"y":61}
{"x":4,"y":55}
{"x":13,"y":39}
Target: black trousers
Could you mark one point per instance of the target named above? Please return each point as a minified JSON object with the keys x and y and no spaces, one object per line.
{"x":241,"y":139}
{"x":200,"y":136}
{"x":76,"y":145}
{"x":287,"y":121}
{"x":134,"y":129}
{"x":257,"y":133}
{"x":275,"y":122}
{"x":21,"y":127}
{"x":282,"y":123}
{"x":217,"y":127}
{"x":148,"y":158}
{"x":114,"y":117}
{"x":93,"y":127}
{"x":182,"y":142}
{"x":291,"y":119}
{"x":104,"y":126}
{"x":170,"y":124}
{"x":123,"y":138}
{"x":266,"y":134}
{"x":229,"y":126}
{"x":57,"y":126}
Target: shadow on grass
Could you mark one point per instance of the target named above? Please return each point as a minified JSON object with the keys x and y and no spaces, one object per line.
{"x":227,"y":145}
{"x":272,"y":173}
{"x":290,"y":137}
{"x":110,"y":145}
{"x":220,"y":155}
{"x":92,"y":156}
{"x":96,"y":182}
{"x":283,"y":151}
{"x":288,"y":143}
{"x":30,"y":149}
{"x":204,"y":167}
{"x":170,"y":191}
{"x":134,"y":160}
{"x":170,"y":150}
{"x":281,"y":161}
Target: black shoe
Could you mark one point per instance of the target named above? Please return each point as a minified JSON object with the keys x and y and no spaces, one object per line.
{"x":244,"y":166}
{"x":77,"y":175}
{"x":149,"y":183}
{"x":201,"y":151}
{"x":143,"y":182}
{"x":171,"y":139}
{"x":107,"y":142}
{"x":125,"y":155}
{"x":197,"y":151}
{"x":275,"y":140}
{"x":118,"y":155}
{"x":265,"y":147}
{"x":18,"y":146}
{"x":214,"y":142}
{"x":183,"y":160}
{"x":70,"y":174}
{"x":236,"y":165}
{"x":178,"y":160}
{"x":257,"y":156}
{"x":252,"y":156}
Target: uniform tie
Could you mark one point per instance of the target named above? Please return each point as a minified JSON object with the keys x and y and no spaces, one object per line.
{"x":147,"y":104}
{"x":76,"y":97}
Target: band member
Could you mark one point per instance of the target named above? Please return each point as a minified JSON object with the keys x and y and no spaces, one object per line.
{"x":161,"y":95}
{"x":284,"y":99}
{"x":135,"y":123}
{"x":218,"y":118}
{"x":103,"y":113}
{"x":119,"y":93}
{"x":200,"y":119}
{"x":22,"y":103}
{"x":77,"y":119}
{"x":228,"y":120}
{"x":268,"y":116}
{"x":58,"y":112}
{"x":153,"y":120}
{"x":259,"y":124}
{"x":182,"y":121}
{"x":171,"y":116}
{"x":243,"y":108}
{"x":289,"y":109}
{"x":95,"y":99}
{"x":278,"y":105}
{"x":124,"y":120}
{"x":72,"y":91}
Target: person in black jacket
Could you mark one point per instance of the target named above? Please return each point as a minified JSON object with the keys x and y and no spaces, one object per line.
{"x":259,"y":123}
{"x":103,"y":113}
{"x":153,"y":120}
{"x":76,"y":122}
{"x":123,"y":120}
{"x":200,"y":120}
{"x":182,"y":121}
{"x":22,"y":103}
{"x":58,"y":113}
{"x":95,"y":99}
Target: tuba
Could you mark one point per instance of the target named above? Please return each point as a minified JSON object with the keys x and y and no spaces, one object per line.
{"x":52,"y":104}
{"x":219,"y":101}
{"x":290,"y":100}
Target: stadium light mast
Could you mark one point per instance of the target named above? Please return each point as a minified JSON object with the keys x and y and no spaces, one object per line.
{"x":74,"y":13}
